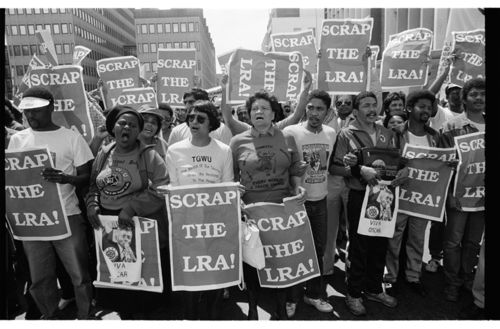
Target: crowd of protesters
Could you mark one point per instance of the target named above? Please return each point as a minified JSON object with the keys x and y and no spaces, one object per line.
{"x":155,"y":146}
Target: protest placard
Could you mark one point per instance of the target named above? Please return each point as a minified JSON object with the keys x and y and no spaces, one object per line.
{"x":384,"y":160}
{"x":374,"y":77}
{"x":71,"y":108}
{"x":469,"y":48}
{"x":47,"y":46}
{"x":425,"y":193}
{"x":343,"y":65}
{"x":250,"y":71}
{"x":469,"y":181}
{"x":33,"y":206}
{"x":24,"y":83}
{"x":204,"y":236}
{"x":285,"y":232}
{"x":128,"y":258}
{"x":136,"y":97}
{"x":117,"y":73}
{"x":405,"y":59}
{"x":79,"y":53}
{"x":176,"y":71}
{"x":301,"y":41}
{"x":379,"y":210}
{"x":224,"y":61}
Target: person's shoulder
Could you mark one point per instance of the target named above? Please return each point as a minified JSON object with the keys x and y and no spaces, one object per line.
{"x":221,"y":145}
{"x":179,"y":145}
{"x":329,"y":130}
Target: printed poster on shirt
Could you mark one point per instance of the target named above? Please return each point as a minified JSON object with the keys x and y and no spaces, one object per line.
{"x":405,"y":59}
{"x":117,"y":74}
{"x":425,"y":193}
{"x":288,"y":243}
{"x":343,"y":65}
{"x":176,"y":69}
{"x":316,"y":156}
{"x":469,"y":182}
{"x":379,"y":210}
{"x":204,"y":236}
{"x":136,"y":97}
{"x":71,"y":107}
{"x":302,"y":41}
{"x":279,"y":74}
{"x":34,"y":207}
{"x":128,"y":257}
{"x":469,"y":47}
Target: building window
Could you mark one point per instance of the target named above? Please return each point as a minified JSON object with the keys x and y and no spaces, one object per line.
{"x":151,"y":28}
{"x":53,"y":10}
{"x":147,"y":67}
{"x":28,"y":11}
{"x":199,"y":65}
{"x":153,"y":47}
{"x":191,"y":44}
{"x":47,"y":27}
{"x":191,"y":26}
{"x":46,"y":10}
{"x":169,"y":45}
{"x":40,"y":49}
{"x":196,"y":27}
{"x":14,"y":29}
{"x":12,"y":11}
{"x":20,"y":11}
{"x":17,"y":50}
{"x":66,"y":48}
{"x":175,"y":27}
{"x":25,"y":50}
{"x":145,"y":48}
{"x":64,"y":28}
{"x":198,"y":45}
{"x":19,"y":70}
{"x":184,"y":44}
{"x":176,"y":45}
{"x":155,"y":65}
{"x":22,"y":29}
{"x":11,"y":52}
{"x":39,"y":27}
{"x":161,"y":45}
{"x":159,"y":28}
{"x":31,"y":29}
{"x":167,"y":28}
{"x":58,"y":49}
{"x":138,"y":29}
{"x":33,"y":49}
{"x":70,"y":28}
{"x":183,"y":27}
{"x":55,"y":27}
{"x":62,"y":10}
{"x":36,"y":11}
{"x":144,"y":29}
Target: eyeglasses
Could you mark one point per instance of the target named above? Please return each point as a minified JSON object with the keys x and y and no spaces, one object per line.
{"x":199,"y":118}
{"x":339,"y":103}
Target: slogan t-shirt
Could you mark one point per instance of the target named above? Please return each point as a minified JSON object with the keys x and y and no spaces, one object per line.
{"x":119,"y":179}
{"x":417,"y":140}
{"x":182,"y":132}
{"x":315,"y":149}
{"x":188,"y":164}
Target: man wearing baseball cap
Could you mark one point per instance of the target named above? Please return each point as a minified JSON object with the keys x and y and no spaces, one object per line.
{"x":72,"y":160}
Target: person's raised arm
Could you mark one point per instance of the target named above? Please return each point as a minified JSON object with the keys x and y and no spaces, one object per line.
{"x":436,"y":85}
{"x":236,"y":126}
{"x":301,"y":106}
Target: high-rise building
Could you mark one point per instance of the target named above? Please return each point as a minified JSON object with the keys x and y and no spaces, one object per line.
{"x":107,"y":32}
{"x":175,"y":28}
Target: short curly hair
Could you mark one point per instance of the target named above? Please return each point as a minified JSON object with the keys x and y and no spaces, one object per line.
{"x":478,"y":83}
{"x":204,"y":106}
{"x":394,"y":96}
{"x":262,"y":94}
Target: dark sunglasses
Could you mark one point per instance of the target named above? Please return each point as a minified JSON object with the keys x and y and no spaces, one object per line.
{"x":339,"y":103}
{"x":200,"y":119}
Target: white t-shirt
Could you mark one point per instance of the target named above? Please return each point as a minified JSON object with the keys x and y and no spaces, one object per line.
{"x":443,"y":115}
{"x":182,"y":131}
{"x":418,"y":140}
{"x":188,"y":164}
{"x":315,"y":149}
{"x":68,"y":150}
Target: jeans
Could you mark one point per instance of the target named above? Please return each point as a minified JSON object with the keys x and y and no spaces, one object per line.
{"x":336,"y":207}
{"x":73,"y":252}
{"x":414,"y":248}
{"x":317,"y":213}
{"x":366,"y":254}
{"x":462,"y":239}
{"x":436,"y":239}
{"x":478,"y":285}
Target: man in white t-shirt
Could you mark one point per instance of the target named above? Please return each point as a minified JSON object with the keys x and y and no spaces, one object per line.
{"x":71,"y":168}
{"x":315,"y":145}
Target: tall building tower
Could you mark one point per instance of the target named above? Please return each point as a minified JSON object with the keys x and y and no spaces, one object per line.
{"x":107,"y":32}
{"x":175,"y":28}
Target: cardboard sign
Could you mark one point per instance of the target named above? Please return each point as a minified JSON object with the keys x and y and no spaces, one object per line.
{"x":374,"y":80}
{"x":405,"y":59}
{"x":176,"y":69}
{"x":117,"y":74}
{"x":204,"y":236}
{"x":47,"y":46}
{"x":128,"y":258}
{"x":79,"y":53}
{"x":286,"y":236}
{"x":429,"y":178}
{"x":280,"y":74}
{"x":71,"y":108}
{"x":33,"y":207}
{"x":469,"y":182}
{"x":469,"y":47}
{"x":379,"y":210}
{"x":343,"y":66}
{"x":136,"y":97}
{"x":302,"y":41}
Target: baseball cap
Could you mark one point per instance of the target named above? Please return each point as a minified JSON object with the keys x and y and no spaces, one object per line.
{"x":35,"y":97}
{"x":449,"y":87}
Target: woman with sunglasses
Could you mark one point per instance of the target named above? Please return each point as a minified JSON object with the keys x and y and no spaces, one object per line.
{"x":267,"y":163}
{"x":200,"y":159}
